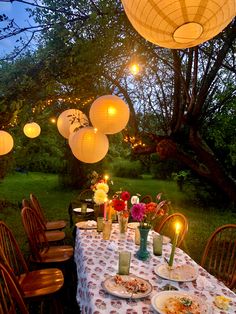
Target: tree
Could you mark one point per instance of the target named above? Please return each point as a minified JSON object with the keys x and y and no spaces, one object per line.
{"x":84,"y":52}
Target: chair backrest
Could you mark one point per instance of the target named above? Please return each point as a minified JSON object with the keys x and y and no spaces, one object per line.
{"x":146,"y":199}
{"x":167,"y":226}
{"x":11,"y":296}
{"x":219,"y":256}
{"x":85,"y":194}
{"x":37,"y":207}
{"x":11,"y":250}
{"x":34,"y":231}
{"x":26,"y":203}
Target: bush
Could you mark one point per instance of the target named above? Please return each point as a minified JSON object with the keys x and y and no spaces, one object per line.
{"x":163,"y":169}
{"x":127,"y":169}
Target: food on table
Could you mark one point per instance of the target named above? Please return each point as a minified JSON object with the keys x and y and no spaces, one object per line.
{"x":181,"y":305}
{"x":222,"y":302}
{"x":135,"y":285}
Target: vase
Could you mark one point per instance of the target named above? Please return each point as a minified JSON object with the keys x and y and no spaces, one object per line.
{"x":143,"y":254}
{"x":123,"y":222}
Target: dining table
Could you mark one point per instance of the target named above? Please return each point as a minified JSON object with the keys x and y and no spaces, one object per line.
{"x":97,"y":261}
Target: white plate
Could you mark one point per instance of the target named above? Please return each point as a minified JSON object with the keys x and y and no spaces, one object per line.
{"x":162,"y":299}
{"x":165,"y":240}
{"x":120,"y":291}
{"x":78,"y":210}
{"x":90,"y":224}
{"x":133,"y":225}
{"x":181,"y":273}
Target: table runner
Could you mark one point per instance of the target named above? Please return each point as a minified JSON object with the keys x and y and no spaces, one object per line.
{"x":97,"y":259}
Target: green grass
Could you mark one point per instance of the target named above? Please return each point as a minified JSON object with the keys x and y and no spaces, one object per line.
{"x":55,"y":201}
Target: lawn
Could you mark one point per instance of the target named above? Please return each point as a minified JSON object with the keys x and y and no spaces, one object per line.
{"x":55,"y":201}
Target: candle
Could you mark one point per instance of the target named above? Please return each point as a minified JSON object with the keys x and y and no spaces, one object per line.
{"x":109,"y":211}
{"x":177,"y":231}
{"x":106,"y":177}
{"x":105,"y":210}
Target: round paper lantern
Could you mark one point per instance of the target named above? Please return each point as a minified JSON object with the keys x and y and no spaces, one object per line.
{"x":6,"y":142}
{"x":32,"y":129}
{"x":89,"y":145}
{"x":179,"y":24}
{"x":68,"y":118}
{"x":109,"y":114}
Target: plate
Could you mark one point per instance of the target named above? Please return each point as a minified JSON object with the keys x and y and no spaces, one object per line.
{"x":120,"y":290}
{"x":181,"y":273}
{"x":165,"y":240}
{"x":78,"y":210}
{"x":89,"y":224}
{"x":133,"y":225}
{"x":164,"y":299}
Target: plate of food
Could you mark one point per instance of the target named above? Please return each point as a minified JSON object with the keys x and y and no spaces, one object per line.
{"x":181,"y":273}
{"x":127,"y":286}
{"x":133,"y":225}
{"x":78,"y":210}
{"x":89,"y":224}
{"x":171,"y":302}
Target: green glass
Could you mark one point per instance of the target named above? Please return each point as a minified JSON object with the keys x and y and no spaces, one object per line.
{"x":157,"y":245}
{"x":84,"y":208}
{"x":124,"y":263}
{"x":100,"y":221}
{"x":106,"y":232}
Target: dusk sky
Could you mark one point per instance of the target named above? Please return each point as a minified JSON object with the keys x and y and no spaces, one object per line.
{"x":17,"y":11}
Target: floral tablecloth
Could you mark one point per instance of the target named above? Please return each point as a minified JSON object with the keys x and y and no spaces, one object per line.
{"x":97,"y":259}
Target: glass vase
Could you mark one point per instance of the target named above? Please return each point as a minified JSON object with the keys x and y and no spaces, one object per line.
{"x":123,"y":222}
{"x":143,"y":254}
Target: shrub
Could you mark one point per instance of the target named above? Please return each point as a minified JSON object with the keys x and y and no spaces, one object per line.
{"x":127,"y":169}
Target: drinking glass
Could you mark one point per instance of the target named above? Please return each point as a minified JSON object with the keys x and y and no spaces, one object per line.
{"x":84,"y":208}
{"x":100,"y":221}
{"x":106,"y":232}
{"x":157,"y":245}
{"x":124,"y":263}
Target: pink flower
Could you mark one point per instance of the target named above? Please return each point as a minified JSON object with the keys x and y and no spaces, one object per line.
{"x":125,"y":196}
{"x":137,"y":211}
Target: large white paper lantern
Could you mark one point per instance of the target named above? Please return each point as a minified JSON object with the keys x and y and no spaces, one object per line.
{"x":179,"y":24}
{"x":32,"y":129}
{"x":89,"y":145}
{"x":69,"y":117}
{"x":6,"y":142}
{"x":109,"y":114}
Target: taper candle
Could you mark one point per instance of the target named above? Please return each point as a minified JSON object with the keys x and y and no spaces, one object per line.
{"x":177,"y":231}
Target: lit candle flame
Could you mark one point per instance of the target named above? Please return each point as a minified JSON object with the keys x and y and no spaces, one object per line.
{"x":177,"y":227}
{"x":106,"y":177}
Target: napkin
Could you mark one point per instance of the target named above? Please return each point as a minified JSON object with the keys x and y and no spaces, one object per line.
{"x":112,"y":246}
{"x":204,"y":284}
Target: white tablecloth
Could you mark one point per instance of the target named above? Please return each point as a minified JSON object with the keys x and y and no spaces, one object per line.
{"x":97,"y":259}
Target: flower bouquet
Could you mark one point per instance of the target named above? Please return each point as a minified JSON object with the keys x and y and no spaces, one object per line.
{"x":119,"y":203}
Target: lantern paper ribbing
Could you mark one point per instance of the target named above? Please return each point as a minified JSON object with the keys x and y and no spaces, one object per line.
{"x":6,"y":142}
{"x":89,"y":145}
{"x":109,"y":114}
{"x":32,"y":129}
{"x":69,"y":117}
{"x":178,"y":24}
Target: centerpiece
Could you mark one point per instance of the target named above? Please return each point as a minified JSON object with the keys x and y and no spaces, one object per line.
{"x":120,"y":204}
{"x":101,"y":189}
{"x":147,"y":215}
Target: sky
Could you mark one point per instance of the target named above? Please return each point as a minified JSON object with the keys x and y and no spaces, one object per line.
{"x":17,"y":11}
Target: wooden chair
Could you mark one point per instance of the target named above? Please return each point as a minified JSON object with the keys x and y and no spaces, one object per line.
{"x":42,"y":251}
{"x":146,"y":199}
{"x":11,"y":298}
{"x":219,"y":256}
{"x":52,"y":236}
{"x":34,"y":284}
{"x":50,"y":225}
{"x":86,"y":196}
{"x":167,"y":226}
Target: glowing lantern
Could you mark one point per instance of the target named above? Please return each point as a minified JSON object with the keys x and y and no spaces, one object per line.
{"x":109,"y":114}
{"x":68,"y":118}
{"x":6,"y":142}
{"x":89,"y":145}
{"x":32,"y":129}
{"x":179,"y":24}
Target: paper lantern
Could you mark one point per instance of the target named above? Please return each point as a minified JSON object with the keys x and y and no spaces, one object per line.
{"x":68,"y":118}
{"x":89,"y":145}
{"x":32,"y":129}
{"x":179,"y":24}
{"x":109,"y":114}
{"x":6,"y":142}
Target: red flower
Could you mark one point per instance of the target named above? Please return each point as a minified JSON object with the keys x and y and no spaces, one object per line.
{"x":150,"y":207}
{"x":125,"y":196}
{"x":119,"y":205}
